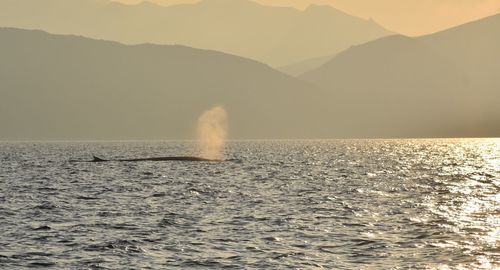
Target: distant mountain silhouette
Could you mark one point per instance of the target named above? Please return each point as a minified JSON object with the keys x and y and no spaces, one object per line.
{"x":274,"y":35}
{"x":68,"y":87}
{"x":304,"y":66}
{"x":474,"y":47}
{"x":444,"y":84}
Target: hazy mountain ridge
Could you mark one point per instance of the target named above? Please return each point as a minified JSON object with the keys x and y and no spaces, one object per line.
{"x":302,"y":67}
{"x":445,"y":81}
{"x":274,"y":35}
{"x":473,"y":46}
{"x":68,"y":87}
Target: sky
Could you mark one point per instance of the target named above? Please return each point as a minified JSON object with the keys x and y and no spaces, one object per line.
{"x":408,"y":17}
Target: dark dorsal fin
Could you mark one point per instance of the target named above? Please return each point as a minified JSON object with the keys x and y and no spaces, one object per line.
{"x":98,"y":159}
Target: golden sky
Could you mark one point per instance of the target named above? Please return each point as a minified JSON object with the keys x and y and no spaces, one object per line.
{"x":409,"y":17}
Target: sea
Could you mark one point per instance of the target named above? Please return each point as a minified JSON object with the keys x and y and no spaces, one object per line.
{"x":312,"y":204}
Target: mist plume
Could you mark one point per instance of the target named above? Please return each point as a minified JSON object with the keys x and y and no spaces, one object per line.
{"x":212,"y":132}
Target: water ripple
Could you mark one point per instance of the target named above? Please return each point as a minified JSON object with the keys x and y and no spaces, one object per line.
{"x":355,"y":204}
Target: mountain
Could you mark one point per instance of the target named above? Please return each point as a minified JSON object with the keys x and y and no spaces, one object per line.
{"x":474,"y":47}
{"x":274,"y":35}
{"x":69,"y":87}
{"x":302,"y":67}
{"x":445,"y":84}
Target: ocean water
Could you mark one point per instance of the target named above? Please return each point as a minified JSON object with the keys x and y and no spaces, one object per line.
{"x":353,"y":204}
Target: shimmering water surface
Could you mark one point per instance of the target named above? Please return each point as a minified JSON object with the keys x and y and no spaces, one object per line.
{"x":372,"y":204}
